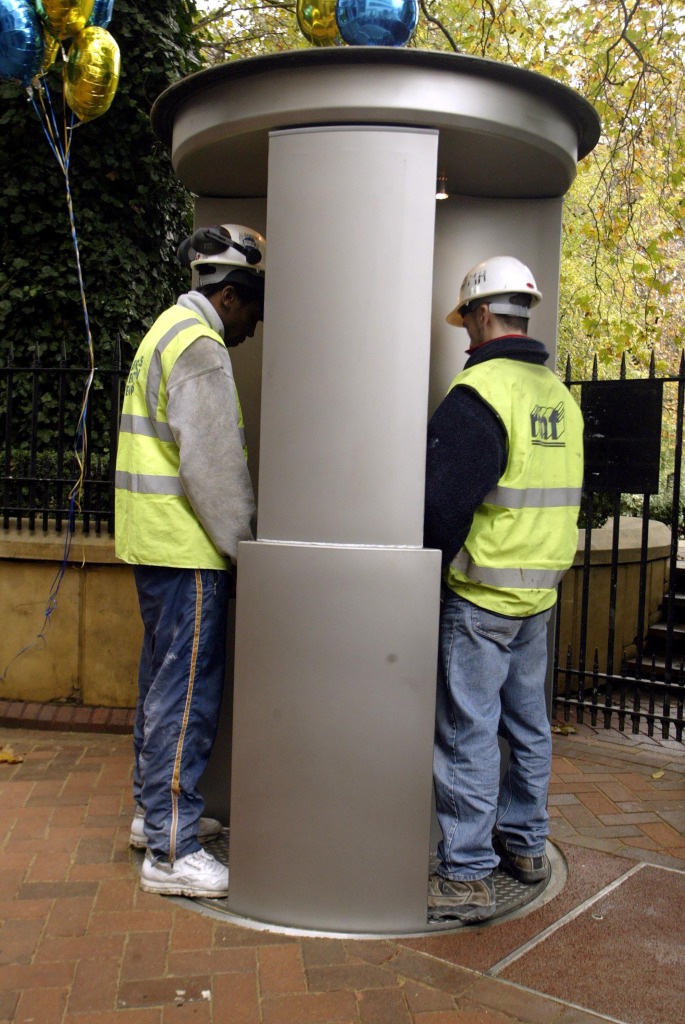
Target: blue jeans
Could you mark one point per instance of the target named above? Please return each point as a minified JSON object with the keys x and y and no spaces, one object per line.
{"x":491,"y":681}
{"x":180,"y":685}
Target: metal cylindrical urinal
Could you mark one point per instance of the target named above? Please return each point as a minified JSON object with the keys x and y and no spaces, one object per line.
{"x":338,"y":603}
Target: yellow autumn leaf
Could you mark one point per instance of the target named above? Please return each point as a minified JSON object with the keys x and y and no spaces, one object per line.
{"x":7,"y":756}
{"x":658,"y":775}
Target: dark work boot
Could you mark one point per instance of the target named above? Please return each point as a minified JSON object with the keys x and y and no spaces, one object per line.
{"x":529,"y":870}
{"x":469,"y":902}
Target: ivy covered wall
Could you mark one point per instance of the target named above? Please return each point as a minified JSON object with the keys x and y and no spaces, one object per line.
{"x":130,"y":210}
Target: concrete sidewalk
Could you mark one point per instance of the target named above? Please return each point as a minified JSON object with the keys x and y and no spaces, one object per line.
{"x":81,"y":944}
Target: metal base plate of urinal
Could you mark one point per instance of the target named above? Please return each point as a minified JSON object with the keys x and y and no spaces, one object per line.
{"x":514,"y":899}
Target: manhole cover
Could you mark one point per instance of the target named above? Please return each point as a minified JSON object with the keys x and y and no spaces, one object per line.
{"x":514,"y":899}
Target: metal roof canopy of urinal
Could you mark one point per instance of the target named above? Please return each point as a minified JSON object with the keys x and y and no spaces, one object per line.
{"x":504,"y":131}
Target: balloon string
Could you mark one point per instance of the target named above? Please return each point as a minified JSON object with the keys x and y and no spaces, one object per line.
{"x":61,"y":150}
{"x":47,"y":119}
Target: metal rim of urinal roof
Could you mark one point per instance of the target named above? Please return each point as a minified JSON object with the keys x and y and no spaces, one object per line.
{"x":514,"y":900}
{"x":575,"y":106}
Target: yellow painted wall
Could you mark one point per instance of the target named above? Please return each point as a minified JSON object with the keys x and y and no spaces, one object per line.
{"x":627,"y":592}
{"x":89,"y":648}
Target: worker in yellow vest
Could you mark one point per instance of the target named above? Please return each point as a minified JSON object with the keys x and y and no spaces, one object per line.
{"x":183,"y":502}
{"x":503,"y":485}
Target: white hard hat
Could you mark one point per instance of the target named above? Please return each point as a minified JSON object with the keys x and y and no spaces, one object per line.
{"x":226,"y":252}
{"x":501,"y":278}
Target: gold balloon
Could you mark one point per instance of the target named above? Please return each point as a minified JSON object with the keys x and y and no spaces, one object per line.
{"x":316,"y":19}
{"x":50,"y":51}
{"x":91,"y":73}
{"x":65,"y":18}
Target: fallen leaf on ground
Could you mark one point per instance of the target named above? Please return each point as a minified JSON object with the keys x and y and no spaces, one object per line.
{"x":7,"y":756}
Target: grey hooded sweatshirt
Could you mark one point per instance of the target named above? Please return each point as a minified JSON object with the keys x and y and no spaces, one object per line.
{"x":203,"y":417}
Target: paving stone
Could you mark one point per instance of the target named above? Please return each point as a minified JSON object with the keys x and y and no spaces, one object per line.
{"x":508,"y":999}
{"x":374,"y":952}
{"x":320,"y":952}
{"x":349,"y":976}
{"x":40,"y":1005}
{"x":88,"y":947}
{"x":281,"y":970}
{"x":598,"y":803}
{"x":235,"y":999}
{"x":162,"y":991}
{"x":19,"y":941}
{"x":8,"y":1004}
{"x":94,"y":986}
{"x":209,"y":961}
{"x":431,"y":972}
{"x":311,"y":1008}
{"x":424,"y":999}
{"x":383,"y":1006}
{"x":145,"y":956}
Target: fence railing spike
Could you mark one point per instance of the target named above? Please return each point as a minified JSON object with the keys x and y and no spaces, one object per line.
{"x":116,"y":355}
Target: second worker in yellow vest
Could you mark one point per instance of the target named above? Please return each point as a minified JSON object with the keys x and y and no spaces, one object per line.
{"x":503,"y":485}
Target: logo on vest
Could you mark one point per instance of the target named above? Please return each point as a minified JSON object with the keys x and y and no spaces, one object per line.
{"x":547,"y":425}
{"x":134,"y":373}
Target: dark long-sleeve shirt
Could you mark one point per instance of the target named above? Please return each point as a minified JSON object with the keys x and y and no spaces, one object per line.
{"x":467,"y":450}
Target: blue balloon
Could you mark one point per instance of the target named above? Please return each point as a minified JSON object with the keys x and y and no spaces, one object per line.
{"x":377,"y":22}
{"x":101,"y":14}
{"x":21,"y":41}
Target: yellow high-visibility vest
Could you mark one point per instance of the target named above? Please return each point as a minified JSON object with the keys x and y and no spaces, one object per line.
{"x":524,"y":535}
{"x":154,"y":521}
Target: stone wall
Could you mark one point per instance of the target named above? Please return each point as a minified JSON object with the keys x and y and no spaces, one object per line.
{"x":88,"y":650}
{"x":627,"y":592}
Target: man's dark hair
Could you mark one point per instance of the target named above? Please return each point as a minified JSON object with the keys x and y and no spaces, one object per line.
{"x":514,"y":323}
{"x":244,"y":293}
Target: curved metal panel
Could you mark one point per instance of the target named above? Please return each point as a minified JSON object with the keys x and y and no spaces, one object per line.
{"x":347,"y":335}
{"x":504,"y":131}
{"x":333,"y":736}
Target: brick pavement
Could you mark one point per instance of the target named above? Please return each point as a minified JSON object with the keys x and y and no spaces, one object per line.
{"x":81,"y":944}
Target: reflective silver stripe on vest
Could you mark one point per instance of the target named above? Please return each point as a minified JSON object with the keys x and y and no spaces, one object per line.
{"x":144,"y":427}
{"x":534,"y":497}
{"x":509,"y":579}
{"x":154,"y":373}
{"x":147,"y":483}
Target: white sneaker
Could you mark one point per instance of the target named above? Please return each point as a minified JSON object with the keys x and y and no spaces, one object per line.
{"x":209,"y":828}
{"x":198,"y":874}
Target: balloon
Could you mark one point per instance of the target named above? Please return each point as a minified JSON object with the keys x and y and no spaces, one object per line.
{"x":65,"y":18}
{"x":102,"y":13}
{"x":377,"y":22}
{"x":21,"y":41}
{"x":316,"y":19}
{"x":50,"y":51}
{"x":91,"y":73}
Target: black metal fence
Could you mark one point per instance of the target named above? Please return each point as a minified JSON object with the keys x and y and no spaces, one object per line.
{"x":634,"y":448}
{"x":59,"y":430}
